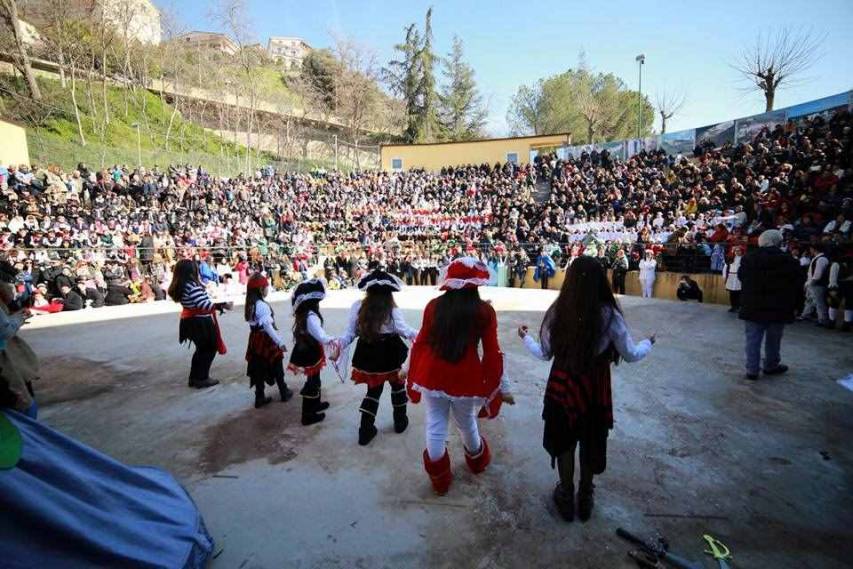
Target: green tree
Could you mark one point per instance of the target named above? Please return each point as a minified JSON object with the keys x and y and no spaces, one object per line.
{"x":595,"y":107}
{"x":428,"y":124}
{"x":461,"y":112}
{"x":319,"y":69}
{"x":403,"y":77}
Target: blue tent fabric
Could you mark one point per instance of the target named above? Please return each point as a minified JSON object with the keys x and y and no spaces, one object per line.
{"x":67,"y":505}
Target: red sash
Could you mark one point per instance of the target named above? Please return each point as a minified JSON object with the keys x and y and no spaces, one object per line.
{"x":193,"y":312}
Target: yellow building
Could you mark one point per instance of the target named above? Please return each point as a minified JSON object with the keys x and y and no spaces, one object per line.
{"x":436,"y":155}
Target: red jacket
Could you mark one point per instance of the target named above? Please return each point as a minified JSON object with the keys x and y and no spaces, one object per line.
{"x":469,"y":377}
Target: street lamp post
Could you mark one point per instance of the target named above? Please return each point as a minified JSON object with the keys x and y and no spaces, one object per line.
{"x":138,"y":145}
{"x":640,"y":59}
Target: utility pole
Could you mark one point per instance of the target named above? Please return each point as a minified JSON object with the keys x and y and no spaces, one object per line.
{"x":336,"y":153}
{"x":640,"y":59}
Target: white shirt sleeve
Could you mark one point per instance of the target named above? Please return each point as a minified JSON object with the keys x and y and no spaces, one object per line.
{"x":400,"y":325}
{"x":621,"y":338}
{"x":833,"y":275}
{"x":315,"y":328}
{"x":352,"y":326}
{"x":263,"y":316}
{"x":536,"y":349}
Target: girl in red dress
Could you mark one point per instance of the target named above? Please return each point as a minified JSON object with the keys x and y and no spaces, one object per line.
{"x":448,"y":373}
{"x":583,"y":332}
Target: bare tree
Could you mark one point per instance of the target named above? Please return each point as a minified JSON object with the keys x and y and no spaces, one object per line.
{"x":778,"y":59}
{"x":9,"y":14}
{"x":667,"y":103}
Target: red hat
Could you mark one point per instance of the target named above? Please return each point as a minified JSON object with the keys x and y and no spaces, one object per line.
{"x":465,"y":272}
{"x":257,"y":281}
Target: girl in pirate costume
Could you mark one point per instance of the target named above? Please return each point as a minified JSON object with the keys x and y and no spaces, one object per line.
{"x":198,"y":321}
{"x":583,"y":332}
{"x":265,"y":351}
{"x":447,"y":371}
{"x":380,"y":353}
{"x":309,"y":356}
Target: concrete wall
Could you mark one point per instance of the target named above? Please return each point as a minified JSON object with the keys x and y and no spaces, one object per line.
{"x":438,"y":155}
{"x":13,"y":145}
{"x":712,"y":285}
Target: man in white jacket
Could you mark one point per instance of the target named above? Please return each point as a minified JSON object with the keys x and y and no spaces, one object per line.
{"x":816,"y":283}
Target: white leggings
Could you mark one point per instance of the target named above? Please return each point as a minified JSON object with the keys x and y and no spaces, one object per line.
{"x":648,"y":287}
{"x":464,"y":415}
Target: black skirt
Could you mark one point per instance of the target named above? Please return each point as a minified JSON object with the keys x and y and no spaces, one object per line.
{"x":307,"y":357}
{"x":199,"y":330}
{"x":376,"y":362}
{"x":264,"y":359}
{"x":578,"y":409}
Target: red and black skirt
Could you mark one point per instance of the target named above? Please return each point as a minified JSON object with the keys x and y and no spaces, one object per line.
{"x":199,"y":330}
{"x":265,"y":360}
{"x":379,"y":361}
{"x":307,"y":357}
{"x":579,"y":409}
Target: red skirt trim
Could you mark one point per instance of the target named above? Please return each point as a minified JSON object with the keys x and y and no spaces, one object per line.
{"x":375,"y":379}
{"x":309,"y":370}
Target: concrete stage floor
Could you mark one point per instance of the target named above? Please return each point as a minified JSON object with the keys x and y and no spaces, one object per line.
{"x":766,"y":466}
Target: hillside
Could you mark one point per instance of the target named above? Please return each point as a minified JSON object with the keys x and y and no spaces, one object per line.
{"x":165,"y":136}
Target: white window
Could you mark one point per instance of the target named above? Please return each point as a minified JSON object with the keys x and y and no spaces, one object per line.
{"x":512,"y":157}
{"x":397,"y":164}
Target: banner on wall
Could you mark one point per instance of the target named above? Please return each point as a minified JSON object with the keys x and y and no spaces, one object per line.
{"x":681,"y":142}
{"x":616,"y":149}
{"x":818,"y":106}
{"x":747,"y":128}
{"x":718,"y":134}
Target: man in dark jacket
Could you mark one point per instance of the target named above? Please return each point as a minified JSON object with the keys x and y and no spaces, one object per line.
{"x":71,"y":300}
{"x":769,"y":278}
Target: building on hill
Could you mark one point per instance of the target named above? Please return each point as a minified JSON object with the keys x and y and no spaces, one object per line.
{"x":139,"y":19}
{"x":289,"y":51}
{"x":213,"y":41}
{"x":436,"y":155}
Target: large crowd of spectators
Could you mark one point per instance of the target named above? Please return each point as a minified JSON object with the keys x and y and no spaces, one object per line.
{"x":93,"y":237}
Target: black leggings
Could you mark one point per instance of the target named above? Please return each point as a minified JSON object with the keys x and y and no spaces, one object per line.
{"x":566,"y":465}
{"x":619,"y":282}
{"x":201,"y":362}
{"x":734,"y":299}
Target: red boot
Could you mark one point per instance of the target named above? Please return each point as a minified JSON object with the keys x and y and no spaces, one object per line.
{"x":478,"y":462}
{"x":439,"y":473}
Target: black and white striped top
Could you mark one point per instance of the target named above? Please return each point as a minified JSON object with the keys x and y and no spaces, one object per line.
{"x":195,"y":297}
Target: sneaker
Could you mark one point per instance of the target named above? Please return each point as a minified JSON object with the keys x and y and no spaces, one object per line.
{"x":564,"y":499}
{"x":313,"y":418}
{"x":204,"y":383}
{"x":779,"y":369}
{"x":261,"y":401}
{"x":752,"y":376}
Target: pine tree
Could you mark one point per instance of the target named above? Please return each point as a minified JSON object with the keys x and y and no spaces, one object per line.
{"x":428,"y":125}
{"x":403,"y":76}
{"x":462,"y":114}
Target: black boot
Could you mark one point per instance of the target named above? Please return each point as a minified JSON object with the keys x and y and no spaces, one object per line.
{"x":285,"y":393}
{"x":260,"y":398}
{"x":564,"y":498}
{"x":399,"y":399}
{"x":585,"y":499}
{"x":310,"y":415}
{"x":369,"y":408}
{"x":367,"y":430}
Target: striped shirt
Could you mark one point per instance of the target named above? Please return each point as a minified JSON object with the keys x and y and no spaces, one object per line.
{"x":195,"y":297}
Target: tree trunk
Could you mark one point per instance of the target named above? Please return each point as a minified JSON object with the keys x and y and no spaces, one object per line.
{"x":589,"y":132}
{"x":76,"y":107}
{"x":10,"y":7}
{"x":769,"y":95}
{"x":171,"y":120}
{"x":662,"y":123}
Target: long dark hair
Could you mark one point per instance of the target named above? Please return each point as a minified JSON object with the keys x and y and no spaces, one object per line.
{"x":374,"y":312}
{"x":300,"y":317}
{"x":456,"y":323}
{"x":253,"y":295}
{"x":185,"y":271}
{"x":575,"y":322}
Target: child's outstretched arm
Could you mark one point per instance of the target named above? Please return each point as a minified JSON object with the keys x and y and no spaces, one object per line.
{"x":621,"y":338}
{"x":537,"y":350}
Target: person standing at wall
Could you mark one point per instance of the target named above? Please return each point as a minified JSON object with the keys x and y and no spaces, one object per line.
{"x":817,"y":281}
{"x":768,"y":279}
{"x":620,"y":269}
{"x":732,"y":281}
{"x":647,"y":274}
{"x":840,"y":291}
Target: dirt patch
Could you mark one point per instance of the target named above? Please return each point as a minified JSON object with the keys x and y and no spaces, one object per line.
{"x":68,"y":378}
{"x":252,"y":434}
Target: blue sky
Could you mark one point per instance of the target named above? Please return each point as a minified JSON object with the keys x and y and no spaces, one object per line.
{"x":688,"y":45}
